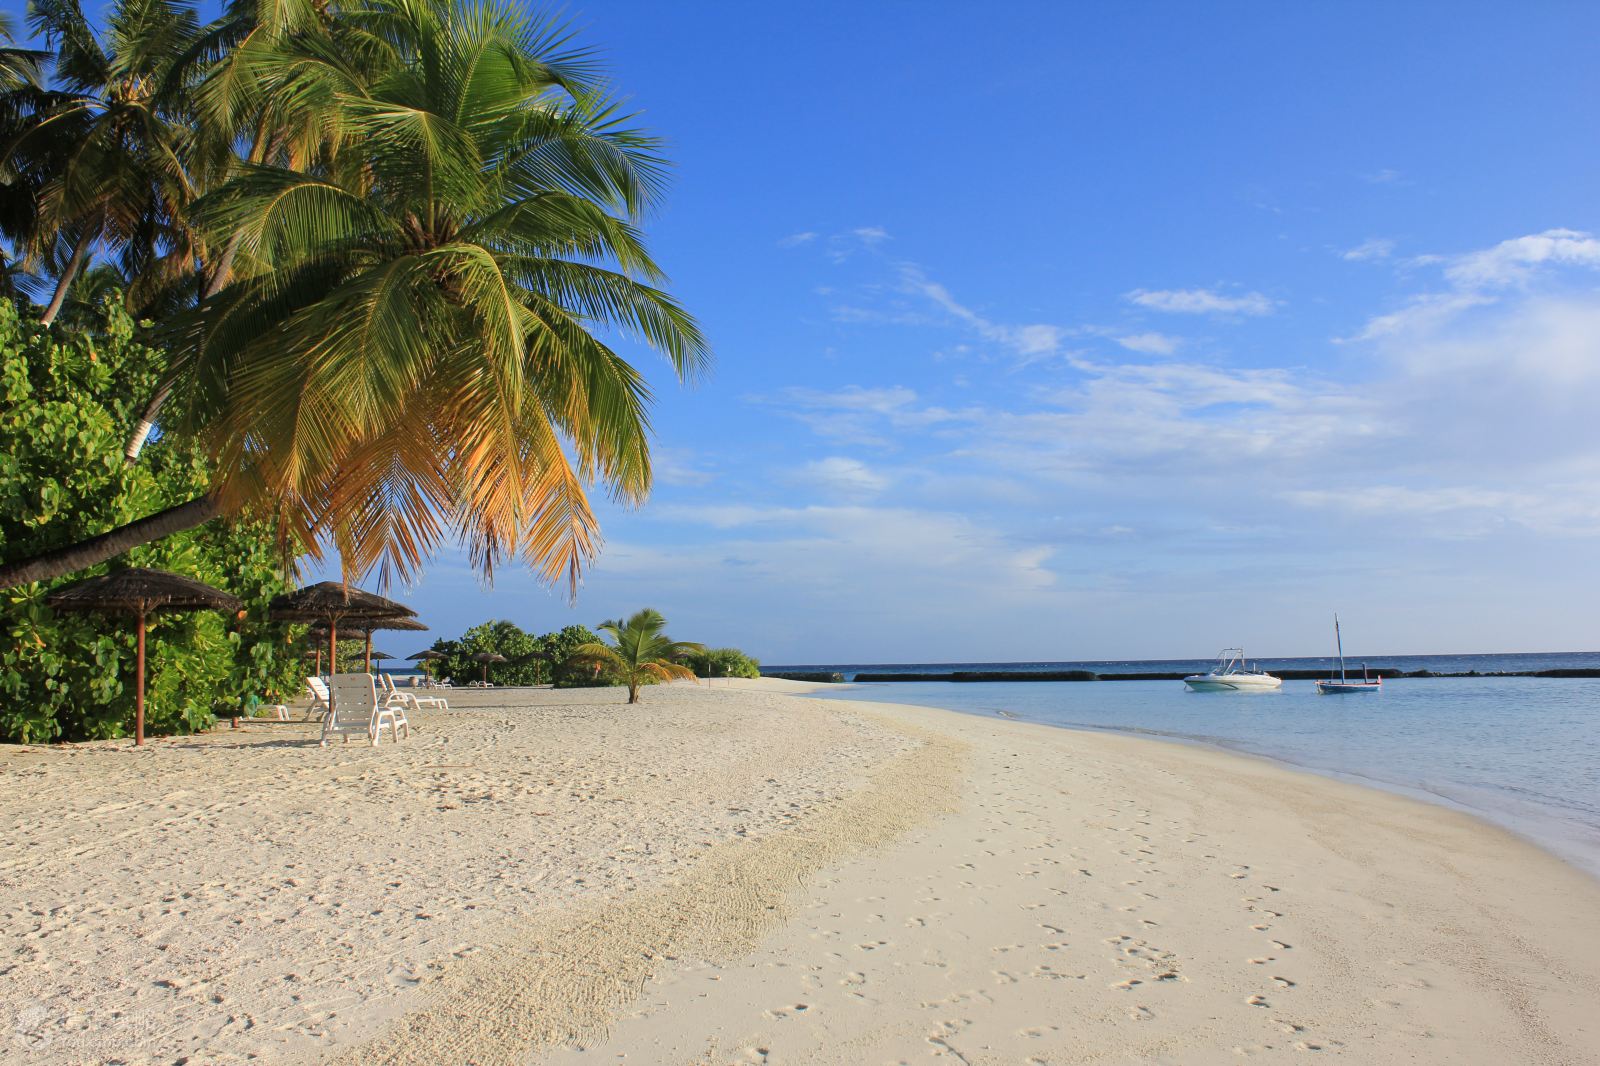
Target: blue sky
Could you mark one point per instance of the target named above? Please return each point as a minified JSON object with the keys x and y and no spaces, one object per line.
{"x":1052,"y":331}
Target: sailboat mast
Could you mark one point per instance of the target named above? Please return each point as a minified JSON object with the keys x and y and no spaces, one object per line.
{"x":1338,"y":638}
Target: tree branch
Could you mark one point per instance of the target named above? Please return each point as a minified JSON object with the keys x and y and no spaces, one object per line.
{"x":97,"y":549}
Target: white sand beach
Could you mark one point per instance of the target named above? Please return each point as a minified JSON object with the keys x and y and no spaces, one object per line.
{"x":729,"y":873}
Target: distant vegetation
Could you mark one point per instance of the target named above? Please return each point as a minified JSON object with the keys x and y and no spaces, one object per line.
{"x":722,"y":662}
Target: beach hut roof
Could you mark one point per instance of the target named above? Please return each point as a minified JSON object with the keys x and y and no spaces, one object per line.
{"x":331,"y":599}
{"x":136,"y":590}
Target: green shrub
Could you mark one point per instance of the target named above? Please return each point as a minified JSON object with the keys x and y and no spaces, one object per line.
{"x":68,"y":399}
{"x":722,"y":662}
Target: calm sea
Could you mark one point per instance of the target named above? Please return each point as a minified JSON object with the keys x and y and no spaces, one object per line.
{"x":1522,"y":752}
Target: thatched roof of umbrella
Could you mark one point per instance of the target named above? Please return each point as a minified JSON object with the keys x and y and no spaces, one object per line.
{"x":424,"y":656}
{"x":332,"y":601}
{"x":487,"y":657}
{"x":380,"y":655}
{"x":138,"y":591}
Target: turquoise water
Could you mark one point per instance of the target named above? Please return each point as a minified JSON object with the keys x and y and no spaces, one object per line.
{"x":1522,"y":752}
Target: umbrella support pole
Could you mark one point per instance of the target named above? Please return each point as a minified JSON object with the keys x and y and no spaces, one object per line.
{"x":138,"y":688}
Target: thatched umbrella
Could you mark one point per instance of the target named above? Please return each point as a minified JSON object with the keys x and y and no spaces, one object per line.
{"x":141,"y":592}
{"x":332,"y":602}
{"x":427,"y":657}
{"x":409,"y":625}
{"x":487,"y":657}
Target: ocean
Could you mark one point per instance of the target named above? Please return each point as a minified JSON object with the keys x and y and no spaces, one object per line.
{"x":1522,"y":752}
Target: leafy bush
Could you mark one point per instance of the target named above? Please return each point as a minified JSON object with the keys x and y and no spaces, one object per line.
{"x":722,"y":662}
{"x":67,"y":401}
{"x":534,"y":660}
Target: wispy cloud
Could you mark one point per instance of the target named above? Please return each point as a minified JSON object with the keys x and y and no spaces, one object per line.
{"x":1150,"y":343}
{"x":673,"y":467}
{"x":872,"y":417}
{"x":1369,"y":249}
{"x":1384,"y":176}
{"x":795,"y":240}
{"x":1514,"y":261}
{"x":1478,"y":279}
{"x":840,"y":476}
{"x":1201,"y":302}
{"x":1028,"y":341}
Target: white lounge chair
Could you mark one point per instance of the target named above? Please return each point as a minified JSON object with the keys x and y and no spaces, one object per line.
{"x":355,"y":708}
{"x":319,"y":696}
{"x":393,"y":695}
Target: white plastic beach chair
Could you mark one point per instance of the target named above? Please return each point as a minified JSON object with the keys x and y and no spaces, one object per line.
{"x":355,"y":708}
{"x":393,"y":695}
{"x":319,"y":696}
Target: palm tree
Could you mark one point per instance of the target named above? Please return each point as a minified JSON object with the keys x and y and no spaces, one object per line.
{"x":410,"y":344}
{"x":639,"y":649}
{"x":415,"y":337}
{"x":124,"y":182}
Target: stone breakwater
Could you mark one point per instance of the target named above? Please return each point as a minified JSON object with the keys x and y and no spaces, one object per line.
{"x":1089,"y":675}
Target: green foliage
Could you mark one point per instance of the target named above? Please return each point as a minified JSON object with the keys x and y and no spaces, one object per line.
{"x":722,"y":662}
{"x":534,"y":660}
{"x":67,"y":399}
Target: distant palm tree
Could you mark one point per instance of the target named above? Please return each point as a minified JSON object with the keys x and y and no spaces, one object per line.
{"x":639,"y":649}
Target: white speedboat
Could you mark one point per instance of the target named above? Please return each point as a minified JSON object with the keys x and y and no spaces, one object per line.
{"x":1233,"y":674}
{"x":1346,"y":683}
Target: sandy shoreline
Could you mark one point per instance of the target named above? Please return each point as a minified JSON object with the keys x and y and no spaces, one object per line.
{"x":730,"y":874}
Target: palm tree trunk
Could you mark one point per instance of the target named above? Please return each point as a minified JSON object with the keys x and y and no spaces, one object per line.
{"x":74,"y":264}
{"x":97,"y":549}
{"x":147,"y":422}
{"x":633,"y":690}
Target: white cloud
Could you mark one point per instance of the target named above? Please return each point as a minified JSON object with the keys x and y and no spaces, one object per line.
{"x":1468,"y":511}
{"x":677,"y":468}
{"x":1150,"y":343}
{"x":1420,"y":314}
{"x":1028,"y":341}
{"x":1385,"y":176}
{"x":856,"y":415}
{"x":1474,"y":278}
{"x":877,"y":555}
{"x":870,"y":235}
{"x":794,"y":240}
{"x":1201,"y":302}
{"x":841,"y":476}
{"x":852,"y":398}
{"x":1371,"y":248}
{"x":1513,"y":261}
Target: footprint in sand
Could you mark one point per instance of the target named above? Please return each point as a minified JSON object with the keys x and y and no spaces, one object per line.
{"x":784,"y":1012}
{"x":1258,"y":1001}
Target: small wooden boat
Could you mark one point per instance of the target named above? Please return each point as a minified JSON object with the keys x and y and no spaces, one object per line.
{"x":1346,"y":683}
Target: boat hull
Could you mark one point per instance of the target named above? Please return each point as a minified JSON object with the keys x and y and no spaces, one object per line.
{"x":1232,"y":683}
{"x":1339,"y":687}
